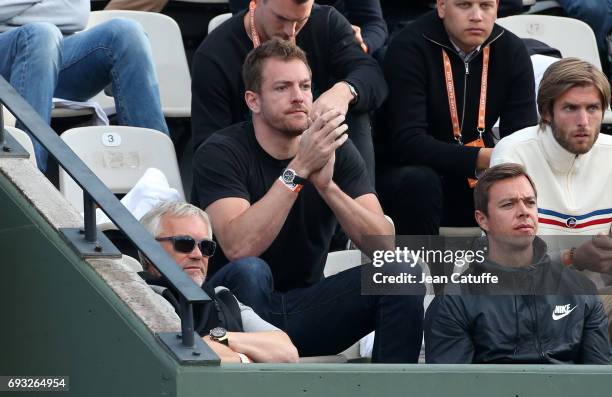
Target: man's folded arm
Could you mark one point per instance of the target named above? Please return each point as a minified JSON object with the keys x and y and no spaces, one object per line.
{"x":359,"y":217}
{"x":447,"y":338}
{"x":595,"y":348}
{"x":248,"y":230}
{"x":350,"y":63}
{"x":264,"y":346}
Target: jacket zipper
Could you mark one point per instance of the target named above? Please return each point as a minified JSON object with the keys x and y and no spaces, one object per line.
{"x":568,"y":182}
{"x":467,"y":69}
{"x":465,"y":80}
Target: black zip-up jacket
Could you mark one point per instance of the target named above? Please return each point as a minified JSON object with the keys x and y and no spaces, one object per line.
{"x":544,"y":313}
{"x":417,"y":128}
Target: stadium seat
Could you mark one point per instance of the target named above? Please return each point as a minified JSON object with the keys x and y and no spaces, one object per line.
{"x":119,"y":156}
{"x":23,"y":139}
{"x":218,"y":20}
{"x":572,"y":37}
{"x":168,"y":56}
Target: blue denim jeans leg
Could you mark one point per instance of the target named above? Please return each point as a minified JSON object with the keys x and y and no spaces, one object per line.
{"x":596,"y":13}
{"x":30,"y":61}
{"x":331,"y":315}
{"x":116,"y":52}
{"x":40,"y":65}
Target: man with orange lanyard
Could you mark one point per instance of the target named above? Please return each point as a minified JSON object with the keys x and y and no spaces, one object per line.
{"x":452,"y":74}
{"x":345,"y":78}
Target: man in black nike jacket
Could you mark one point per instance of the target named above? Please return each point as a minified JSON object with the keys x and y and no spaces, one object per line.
{"x":539,"y":312}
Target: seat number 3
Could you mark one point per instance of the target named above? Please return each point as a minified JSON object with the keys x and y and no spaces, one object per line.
{"x":111,"y":139}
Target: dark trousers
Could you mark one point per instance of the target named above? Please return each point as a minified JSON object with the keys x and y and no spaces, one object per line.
{"x":419,"y":200}
{"x":331,"y":315}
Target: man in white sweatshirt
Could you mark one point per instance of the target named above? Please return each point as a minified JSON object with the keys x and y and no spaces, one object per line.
{"x":571,"y":165}
{"x":47,"y":53}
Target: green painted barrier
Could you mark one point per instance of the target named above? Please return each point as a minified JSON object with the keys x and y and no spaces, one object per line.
{"x":60,"y":318}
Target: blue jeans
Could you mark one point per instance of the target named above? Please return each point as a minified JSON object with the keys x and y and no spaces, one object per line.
{"x":595,"y":13}
{"x":40,"y":64}
{"x":331,"y":315}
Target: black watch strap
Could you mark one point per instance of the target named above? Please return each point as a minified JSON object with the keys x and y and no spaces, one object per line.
{"x":290,"y":176}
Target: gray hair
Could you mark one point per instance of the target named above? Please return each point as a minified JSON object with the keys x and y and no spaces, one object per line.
{"x":151,"y":221}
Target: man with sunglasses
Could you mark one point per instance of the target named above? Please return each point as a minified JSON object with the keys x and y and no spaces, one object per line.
{"x":234,"y":331}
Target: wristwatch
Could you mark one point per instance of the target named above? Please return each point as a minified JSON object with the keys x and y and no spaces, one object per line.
{"x":292,"y":180}
{"x":219,"y":334}
{"x":352,"y":90}
{"x":567,"y":257}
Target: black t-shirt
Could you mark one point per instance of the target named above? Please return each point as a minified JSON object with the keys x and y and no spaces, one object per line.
{"x":232,"y":164}
{"x":332,"y":52}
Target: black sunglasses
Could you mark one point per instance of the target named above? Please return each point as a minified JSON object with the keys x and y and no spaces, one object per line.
{"x":186,"y":244}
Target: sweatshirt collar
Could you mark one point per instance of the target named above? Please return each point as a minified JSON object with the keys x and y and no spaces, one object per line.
{"x":558,"y":157}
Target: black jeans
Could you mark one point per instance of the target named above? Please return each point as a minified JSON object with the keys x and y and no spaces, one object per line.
{"x":331,"y":315}
{"x":419,"y":200}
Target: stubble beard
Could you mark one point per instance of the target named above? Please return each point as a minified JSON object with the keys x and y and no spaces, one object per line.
{"x":566,"y":144}
{"x":285,"y":127}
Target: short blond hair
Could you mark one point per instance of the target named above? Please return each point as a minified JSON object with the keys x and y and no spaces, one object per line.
{"x":151,"y":221}
{"x":565,"y":74}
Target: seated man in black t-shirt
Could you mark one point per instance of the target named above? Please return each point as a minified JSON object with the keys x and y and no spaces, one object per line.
{"x":343,"y":76}
{"x":275,"y":189}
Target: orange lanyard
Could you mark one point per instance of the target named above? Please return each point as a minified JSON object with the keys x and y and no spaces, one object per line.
{"x":452,"y":99}
{"x":254,"y":35}
{"x":482,"y":106}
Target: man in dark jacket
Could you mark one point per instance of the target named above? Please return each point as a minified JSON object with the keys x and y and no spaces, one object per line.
{"x":434,"y":114}
{"x":344,"y":78}
{"x":537,"y":312}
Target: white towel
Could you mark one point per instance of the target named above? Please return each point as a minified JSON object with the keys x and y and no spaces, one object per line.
{"x":150,"y":189}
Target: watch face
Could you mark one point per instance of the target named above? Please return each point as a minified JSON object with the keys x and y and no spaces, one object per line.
{"x":218,"y":332}
{"x":288,"y":176}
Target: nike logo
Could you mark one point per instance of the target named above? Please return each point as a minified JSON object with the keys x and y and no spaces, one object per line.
{"x":561,"y":311}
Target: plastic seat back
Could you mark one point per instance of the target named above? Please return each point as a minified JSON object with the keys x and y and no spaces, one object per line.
{"x":218,"y":20}
{"x":572,"y":37}
{"x":119,"y":156}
